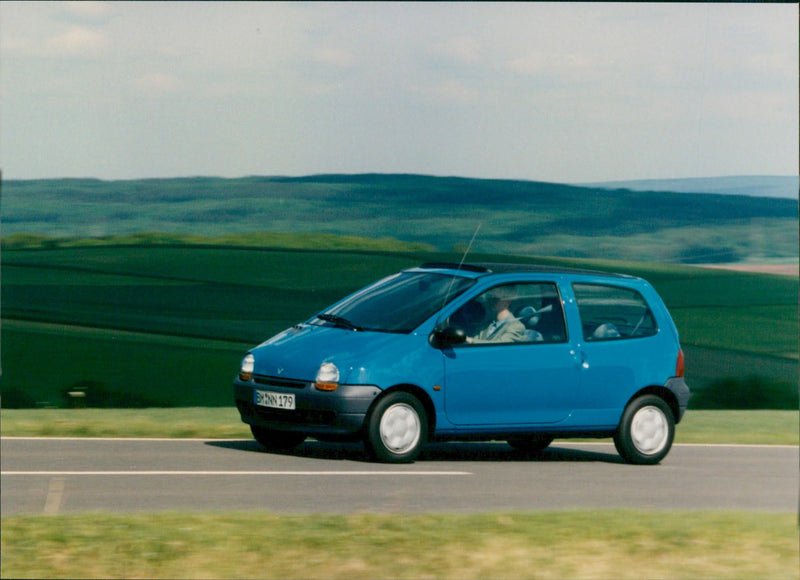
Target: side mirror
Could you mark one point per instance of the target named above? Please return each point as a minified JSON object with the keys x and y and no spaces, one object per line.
{"x":448,"y":336}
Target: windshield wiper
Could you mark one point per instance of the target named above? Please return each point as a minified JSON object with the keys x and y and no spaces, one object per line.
{"x":339,"y":321}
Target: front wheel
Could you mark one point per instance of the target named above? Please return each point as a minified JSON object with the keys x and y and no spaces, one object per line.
{"x":646,"y":431}
{"x":272,"y":439}
{"x":397,"y":428}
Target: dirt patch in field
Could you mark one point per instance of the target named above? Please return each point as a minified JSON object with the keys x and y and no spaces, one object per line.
{"x":782,"y":269}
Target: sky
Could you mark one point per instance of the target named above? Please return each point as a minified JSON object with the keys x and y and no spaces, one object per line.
{"x":560,"y":92}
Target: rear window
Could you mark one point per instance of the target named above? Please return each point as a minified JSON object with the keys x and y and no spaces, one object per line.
{"x":613,"y":313}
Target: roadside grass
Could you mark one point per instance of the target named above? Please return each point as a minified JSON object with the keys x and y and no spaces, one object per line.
{"x":180,"y":422}
{"x":711,"y":427}
{"x":739,"y":427}
{"x":559,"y":544}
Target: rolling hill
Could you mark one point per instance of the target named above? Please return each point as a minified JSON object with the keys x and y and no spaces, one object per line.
{"x":515,"y":217}
{"x":782,"y":186}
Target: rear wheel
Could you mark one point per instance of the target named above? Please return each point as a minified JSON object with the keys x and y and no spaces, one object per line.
{"x":646,"y":431}
{"x":397,"y":428}
{"x":272,"y":439}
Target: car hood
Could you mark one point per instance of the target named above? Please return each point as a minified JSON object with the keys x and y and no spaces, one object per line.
{"x":297,"y":353}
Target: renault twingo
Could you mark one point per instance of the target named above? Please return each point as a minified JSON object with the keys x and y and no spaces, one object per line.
{"x":512,"y":352}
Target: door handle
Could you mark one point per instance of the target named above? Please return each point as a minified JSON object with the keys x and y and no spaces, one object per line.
{"x":580,"y":359}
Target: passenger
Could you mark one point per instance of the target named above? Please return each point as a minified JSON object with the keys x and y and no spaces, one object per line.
{"x":505,"y":327}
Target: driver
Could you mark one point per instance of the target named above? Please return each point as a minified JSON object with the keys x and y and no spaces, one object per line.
{"x":505,"y":327}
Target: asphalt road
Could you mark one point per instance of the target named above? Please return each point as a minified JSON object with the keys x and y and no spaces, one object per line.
{"x":125,"y":475}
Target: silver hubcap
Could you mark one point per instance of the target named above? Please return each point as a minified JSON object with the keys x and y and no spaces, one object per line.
{"x":649,"y":430}
{"x":400,"y":428}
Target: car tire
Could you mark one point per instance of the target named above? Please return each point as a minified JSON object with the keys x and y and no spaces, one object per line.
{"x":272,"y":439}
{"x":646,"y":431}
{"x":530,"y":443}
{"x":397,"y":428}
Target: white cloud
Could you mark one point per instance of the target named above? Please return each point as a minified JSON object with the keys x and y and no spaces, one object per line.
{"x":77,"y":41}
{"x":464,"y":50}
{"x":337,"y":57}
{"x":85,"y":11}
{"x":565,"y":65}
{"x":157,"y":84}
{"x":452,"y":91}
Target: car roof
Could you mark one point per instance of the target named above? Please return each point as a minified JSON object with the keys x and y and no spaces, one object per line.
{"x":507,"y":268}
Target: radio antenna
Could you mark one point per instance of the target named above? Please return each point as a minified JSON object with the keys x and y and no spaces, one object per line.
{"x":469,"y":246}
{"x":461,"y":263}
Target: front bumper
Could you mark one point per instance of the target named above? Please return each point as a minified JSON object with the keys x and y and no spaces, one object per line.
{"x":340,"y":412}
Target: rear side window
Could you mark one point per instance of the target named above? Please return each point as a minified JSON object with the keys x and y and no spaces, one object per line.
{"x":613,"y":313}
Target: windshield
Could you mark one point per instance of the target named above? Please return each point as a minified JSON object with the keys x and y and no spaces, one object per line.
{"x":398,"y":303}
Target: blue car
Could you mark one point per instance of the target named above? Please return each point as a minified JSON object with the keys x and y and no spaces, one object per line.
{"x":511,"y":352}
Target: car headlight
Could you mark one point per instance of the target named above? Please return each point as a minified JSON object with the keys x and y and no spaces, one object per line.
{"x":327,"y":377}
{"x":246,"y":371}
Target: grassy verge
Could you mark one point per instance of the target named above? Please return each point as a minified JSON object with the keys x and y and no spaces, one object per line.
{"x":740,"y":427}
{"x":585,"y":544}
{"x":743,"y":427}
{"x":184,"y":422}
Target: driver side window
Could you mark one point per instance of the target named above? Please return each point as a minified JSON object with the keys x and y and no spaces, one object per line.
{"x":513,"y":313}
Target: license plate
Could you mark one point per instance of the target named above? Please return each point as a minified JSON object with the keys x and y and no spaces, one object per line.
{"x":274,"y":400}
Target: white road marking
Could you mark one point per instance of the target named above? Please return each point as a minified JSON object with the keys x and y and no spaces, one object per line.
{"x":230,"y":473}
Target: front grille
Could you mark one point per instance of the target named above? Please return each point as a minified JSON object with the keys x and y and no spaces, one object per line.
{"x":275,"y":382}
{"x":298,"y":416}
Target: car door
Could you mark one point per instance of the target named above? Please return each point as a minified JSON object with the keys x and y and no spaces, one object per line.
{"x":621,"y":346}
{"x":512,"y":381}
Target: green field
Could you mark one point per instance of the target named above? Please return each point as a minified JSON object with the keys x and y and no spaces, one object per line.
{"x":155,"y":325}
